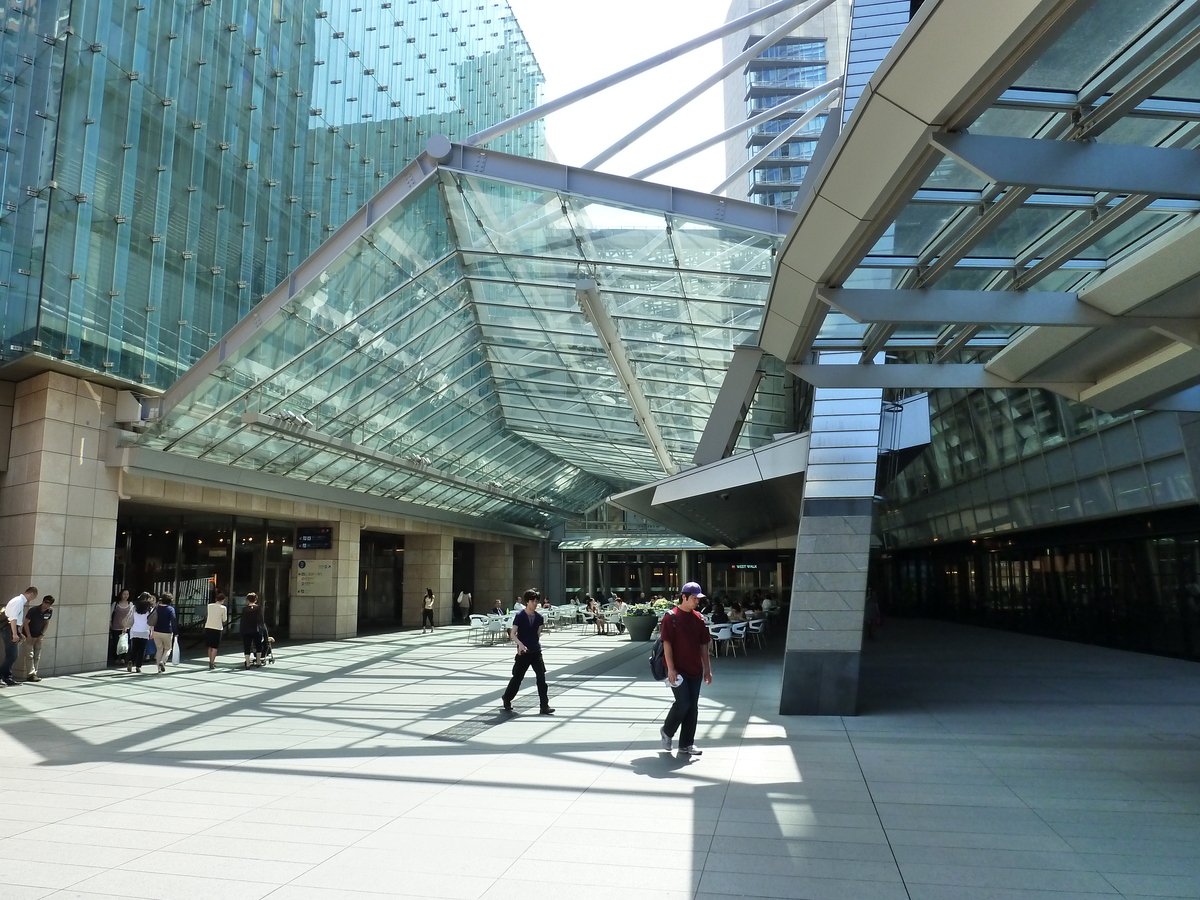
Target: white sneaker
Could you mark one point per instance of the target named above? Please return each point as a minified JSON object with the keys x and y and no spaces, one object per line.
{"x":666,"y":738}
{"x":691,"y":750}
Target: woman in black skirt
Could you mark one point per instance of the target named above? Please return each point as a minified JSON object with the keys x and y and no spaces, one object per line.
{"x":214,"y":627}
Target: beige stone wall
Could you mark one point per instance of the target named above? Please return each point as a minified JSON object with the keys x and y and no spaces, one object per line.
{"x":528,"y":570}
{"x":58,"y":513}
{"x":428,"y":563}
{"x":333,"y":616}
{"x":493,"y":575}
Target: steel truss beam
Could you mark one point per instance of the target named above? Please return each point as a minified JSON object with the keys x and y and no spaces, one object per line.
{"x":923,"y":376}
{"x":587,"y":292}
{"x":733,"y":403}
{"x":937,"y":307}
{"x":1074,"y":166}
{"x":313,"y":437}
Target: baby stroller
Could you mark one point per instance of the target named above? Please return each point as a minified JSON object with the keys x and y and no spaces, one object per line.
{"x":266,"y":649}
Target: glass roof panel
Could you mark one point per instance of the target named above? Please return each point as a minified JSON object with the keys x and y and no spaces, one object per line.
{"x":446,"y":352}
{"x":1094,"y":40}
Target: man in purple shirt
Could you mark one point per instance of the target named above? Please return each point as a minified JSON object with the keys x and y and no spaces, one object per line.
{"x":526,"y":633}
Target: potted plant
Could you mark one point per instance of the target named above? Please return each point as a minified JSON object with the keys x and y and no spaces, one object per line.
{"x":640,"y":620}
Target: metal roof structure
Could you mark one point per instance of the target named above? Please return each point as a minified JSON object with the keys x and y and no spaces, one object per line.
{"x":491,"y":335}
{"x":1012,"y":203}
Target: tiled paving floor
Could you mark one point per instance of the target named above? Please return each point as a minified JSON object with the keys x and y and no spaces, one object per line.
{"x":984,"y":766}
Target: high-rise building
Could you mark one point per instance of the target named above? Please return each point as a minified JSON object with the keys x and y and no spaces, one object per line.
{"x":807,"y":57}
{"x":167,"y":165}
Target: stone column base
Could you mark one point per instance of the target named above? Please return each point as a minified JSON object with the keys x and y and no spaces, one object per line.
{"x":819,"y":683}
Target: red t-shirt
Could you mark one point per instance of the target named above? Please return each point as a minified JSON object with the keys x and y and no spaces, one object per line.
{"x":688,"y":636}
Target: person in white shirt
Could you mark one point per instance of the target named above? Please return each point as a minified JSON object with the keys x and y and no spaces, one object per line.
{"x":214,"y":627}
{"x":621,"y":609}
{"x":12,"y":629}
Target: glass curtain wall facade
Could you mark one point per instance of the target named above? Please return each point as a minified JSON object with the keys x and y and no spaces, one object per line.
{"x":166,"y":165}
{"x":1034,"y":513}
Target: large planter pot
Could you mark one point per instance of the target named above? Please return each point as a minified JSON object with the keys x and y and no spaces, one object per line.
{"x":640,"y":627}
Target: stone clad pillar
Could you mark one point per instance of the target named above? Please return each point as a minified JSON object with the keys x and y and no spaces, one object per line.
{"x":493,"y":575}
{"x":528,"y":571}
{"x":328,"y":615}
{"x":429,"y":563}
{"x":58,"y":514}
{"x":825,"y":621}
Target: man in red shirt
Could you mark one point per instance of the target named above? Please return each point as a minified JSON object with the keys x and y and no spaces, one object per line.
{"x":685,"y":640}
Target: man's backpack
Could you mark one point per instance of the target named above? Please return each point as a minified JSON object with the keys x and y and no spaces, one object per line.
{"x":658,"y":661}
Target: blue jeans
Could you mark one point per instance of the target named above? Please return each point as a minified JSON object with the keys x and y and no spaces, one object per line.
{"x":685,"y":710}
{"x":10,"y":653}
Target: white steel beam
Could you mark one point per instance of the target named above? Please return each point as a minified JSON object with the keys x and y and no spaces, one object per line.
{"x":814,"y":7}
{"x":780,"y":139}
{"x":539,"y":112}
{"x":773,"y":113}
{"x":587,"y":293}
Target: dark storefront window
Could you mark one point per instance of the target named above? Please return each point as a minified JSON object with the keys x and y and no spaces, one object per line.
{"x":194,"y":556}
{"x":1132,"y":583}
{"x":380,"y":581}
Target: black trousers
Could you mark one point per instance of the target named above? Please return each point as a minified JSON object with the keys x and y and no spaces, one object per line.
{"x":137,"y":651}
{"x":427,"y":619}
{"x":530,"y":659}
{"x":685,"y":710}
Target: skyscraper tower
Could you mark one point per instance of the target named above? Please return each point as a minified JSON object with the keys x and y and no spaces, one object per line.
{"x":807,"y":57}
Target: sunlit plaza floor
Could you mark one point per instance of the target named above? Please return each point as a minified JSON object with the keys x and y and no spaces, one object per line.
{"x":983,"y":765}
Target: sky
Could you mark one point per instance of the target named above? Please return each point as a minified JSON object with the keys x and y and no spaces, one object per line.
{"x":578,"y":43}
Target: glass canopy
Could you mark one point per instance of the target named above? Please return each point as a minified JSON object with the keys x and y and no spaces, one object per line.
{"x":960,"y":231}
{"x":446,"y":357}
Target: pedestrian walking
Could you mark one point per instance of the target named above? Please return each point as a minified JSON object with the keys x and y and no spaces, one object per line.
{"x":139,"y":631}
{"x":12,"y":627}
{"x":685,"y":640}
{"x":253,"y":628}
{"x":214,"y":627}
{"x":166,"y":626}
{"x":464,"y":606}
{"x":526,"y":633}
{"x":36,"y":622}
{"x":427,"y":611}
{"x":121,"y":618}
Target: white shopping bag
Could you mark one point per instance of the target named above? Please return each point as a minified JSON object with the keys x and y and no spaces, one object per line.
{"x":175,"y":656}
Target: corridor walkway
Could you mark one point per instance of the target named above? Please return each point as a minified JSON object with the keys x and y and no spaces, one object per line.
{"x":984,"y":766}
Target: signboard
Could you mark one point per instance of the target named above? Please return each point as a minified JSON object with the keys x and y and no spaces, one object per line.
{"x":314,"y":538}
{"x":314,"y":578}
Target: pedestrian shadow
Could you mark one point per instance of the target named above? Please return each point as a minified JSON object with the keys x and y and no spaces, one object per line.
{"x":661,"y":765}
